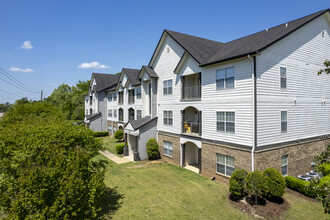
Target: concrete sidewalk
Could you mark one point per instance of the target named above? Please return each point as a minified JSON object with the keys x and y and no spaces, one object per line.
{"x":114,"y":158}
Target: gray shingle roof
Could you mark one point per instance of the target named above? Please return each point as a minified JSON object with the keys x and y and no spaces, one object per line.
{"x":199,"y":48}
{"x":104,"y":81}
{"x":136,"y":124}
{"x":259,"y":41}
{"x":150,"y":71}
{"x":132,"y":75}
{"x":92,"y":115}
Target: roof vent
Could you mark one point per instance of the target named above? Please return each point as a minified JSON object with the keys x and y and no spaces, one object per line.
{"x":286,"y":25}
{"x":323,"y":33}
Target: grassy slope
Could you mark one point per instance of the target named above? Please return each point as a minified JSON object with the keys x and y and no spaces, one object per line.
{"x":110,"y":144}
{"x":165,"y":191}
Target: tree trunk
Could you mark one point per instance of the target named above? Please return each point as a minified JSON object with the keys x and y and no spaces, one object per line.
{"x":255,"y":199}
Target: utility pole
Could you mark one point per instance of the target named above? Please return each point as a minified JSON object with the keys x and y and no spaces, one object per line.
{"x":41,"y":95}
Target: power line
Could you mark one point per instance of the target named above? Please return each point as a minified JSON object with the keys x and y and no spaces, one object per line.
{"x":11,"y":93}
{"x":17,"y":82}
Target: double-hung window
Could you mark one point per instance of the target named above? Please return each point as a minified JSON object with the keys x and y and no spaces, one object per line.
{"x":285,"y":165}
{"x":168,"y":148}
{"x":109,"y":97}
{"x":168,"y":117}
{"x":167,"y":87}
{"x":226,"y":122}
{"x":283,"y":77}
{"x":284,"y":121}
{"x":138,"y":114}
{"x":138,"y":93}
{"x":114,"y":95}
{"x":225,"y":164}
{"x":115,"y":113}
{"x":225,"y":78}
{"x":110,"y":113}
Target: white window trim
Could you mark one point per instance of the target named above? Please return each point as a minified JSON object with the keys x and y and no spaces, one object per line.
{"x":136,"y":94}
{"x":225,"y":132}
{"x":167,"y":87}
{"x":167,"y":155}
{"x":216,"y":163}
{"x":138,"y":114}
{"x":286,"y":74}
{"x":164,"y":117}
{"x":225,"y":89}
{"x":287,"y":166}
{"x":287,"y":117}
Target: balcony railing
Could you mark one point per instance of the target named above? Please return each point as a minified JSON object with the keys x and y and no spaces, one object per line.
{"x":191,"y":92}
{"x":191,"y":127}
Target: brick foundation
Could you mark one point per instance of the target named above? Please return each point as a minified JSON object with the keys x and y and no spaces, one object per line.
{"x":300,"y":157}
{"x":209,"y":159}
{"x":175,"y":140}
{"x":113,"y":124}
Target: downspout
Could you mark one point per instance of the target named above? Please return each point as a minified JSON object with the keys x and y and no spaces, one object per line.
{"x":254,"y":110}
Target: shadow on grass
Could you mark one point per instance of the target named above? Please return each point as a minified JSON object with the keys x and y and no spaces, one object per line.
{"x":110,"y":204}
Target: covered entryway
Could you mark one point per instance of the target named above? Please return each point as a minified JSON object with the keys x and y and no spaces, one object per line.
{"x":191,"y":156}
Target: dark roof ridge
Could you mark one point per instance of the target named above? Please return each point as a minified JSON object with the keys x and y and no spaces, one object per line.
{"x":167,"y":30}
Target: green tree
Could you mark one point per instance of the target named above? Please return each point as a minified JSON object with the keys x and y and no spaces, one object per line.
{"x":274,"y":183}
{"x":152,"y":149}
{"x":47,"y":169}
{"x":326,"y":68}
{"x":237,"y":183}
{"x":255,"y":184}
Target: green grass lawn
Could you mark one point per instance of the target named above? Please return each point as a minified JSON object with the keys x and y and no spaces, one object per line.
{"x":165,"y":191}
{"x":110,"y":144}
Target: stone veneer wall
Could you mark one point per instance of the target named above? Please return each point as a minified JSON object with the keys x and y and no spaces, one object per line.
{"x":175,"y":140}
{"x":300,"y":157}
{"x":209,"y":159}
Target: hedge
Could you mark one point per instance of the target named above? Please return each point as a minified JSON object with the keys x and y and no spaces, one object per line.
{"x":120,"y":148}
{"x":324,"y":169}
{"x":300,"y":186}
{"x":101,"y":133}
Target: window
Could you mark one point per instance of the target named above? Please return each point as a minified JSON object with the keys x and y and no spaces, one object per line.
{"x":168,"y":148}
{"x":110,"y":129}
{"x":138,"y":93}
{"x":110,"y":113}
{"x":167,"y":87}
{"x":109,"y":97}
{"x":225,"y":164}
{"x":121,"y":114}
{"x":131,"y":114}
{"x":226,"y":122}
{"x":225,"y":78}
{"x":86,"y":111}
{"x":131,"y":96}
{"x":285,"y":165}
{"x":138,"y":114}
{"x":283,"y":77}
{"x":168,"y":118}
{"x":115,"y":113}
{"x":114,"y":129}
{"x":121,"y":97}
{"x":284,"y":121}
{"x":114,"y":96}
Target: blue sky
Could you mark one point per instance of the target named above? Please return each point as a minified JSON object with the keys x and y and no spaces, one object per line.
{"x":44,"y":42}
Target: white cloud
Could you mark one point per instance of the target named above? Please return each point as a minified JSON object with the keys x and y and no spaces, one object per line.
{"x":16,"y":69}
{"x":27,"y":45}
{"x":95,"y":65}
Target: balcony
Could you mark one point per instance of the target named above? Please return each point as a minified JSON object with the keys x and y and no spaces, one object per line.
{"x":191,"y":127}
{"x":191,"y":87}
{"x":191,"y":121}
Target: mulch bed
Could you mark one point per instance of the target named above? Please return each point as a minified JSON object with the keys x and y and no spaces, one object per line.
{"x":265,"y":209}
{"x":298,"y":194}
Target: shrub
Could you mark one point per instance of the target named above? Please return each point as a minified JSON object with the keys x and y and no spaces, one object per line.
{"x":101,"y":133}
{"x":152,"y":149}
{"x":300,"y":186}
{"x":119,"y":134}
{"x":120,"y":148}
{"x":255,"y":184}
{"x":324,"y":181}
{"x":47,"y":166}
{"x":274,"y":183}
{"x":237,"y":183}
{"x":324,"y":169}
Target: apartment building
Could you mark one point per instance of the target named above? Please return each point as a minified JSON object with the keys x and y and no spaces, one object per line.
{"x":250,"y":103}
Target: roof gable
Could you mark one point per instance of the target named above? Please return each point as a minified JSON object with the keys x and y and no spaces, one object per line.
{"x":259,"y":41}
{"x":103,"y":81}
